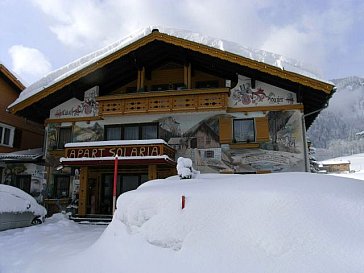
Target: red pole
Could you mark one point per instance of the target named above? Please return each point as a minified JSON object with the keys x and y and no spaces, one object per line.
{"x":183,"y":201}
{"x":115,"y":182}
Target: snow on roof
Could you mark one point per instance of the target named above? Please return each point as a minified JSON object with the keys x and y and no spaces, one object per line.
{"x":30,"y":154}
{"x":335,"y":162}
{"x":253,"y":54}
{"x":111,"y":158}
{"x":115,"y":143}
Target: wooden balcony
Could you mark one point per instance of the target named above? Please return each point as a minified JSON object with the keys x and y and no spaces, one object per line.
{"x":191,"y":100}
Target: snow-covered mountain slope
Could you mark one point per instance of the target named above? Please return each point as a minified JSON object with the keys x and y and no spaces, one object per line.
{"x":337,"y":127}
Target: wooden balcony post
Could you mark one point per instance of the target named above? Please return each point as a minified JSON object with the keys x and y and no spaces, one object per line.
{"x":189,"y":79}
{"x":82,"y":201}
{"x":152,"y":172}
{"x":187,"y":75}
{"x":138,"y":80}
{"x":142,"y":78}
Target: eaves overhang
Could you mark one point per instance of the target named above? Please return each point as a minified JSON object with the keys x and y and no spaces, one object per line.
{"x":319,"y":86}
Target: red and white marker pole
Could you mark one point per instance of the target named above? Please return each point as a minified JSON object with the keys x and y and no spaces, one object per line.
{"x":183,"y":200}
{"x":115,"y":183}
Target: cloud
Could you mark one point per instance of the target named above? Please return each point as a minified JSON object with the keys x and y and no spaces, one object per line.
{"x":29,"y":62}
{"x":311,"y":32}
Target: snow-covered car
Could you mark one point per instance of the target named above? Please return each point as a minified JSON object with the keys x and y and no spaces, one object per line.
{"x":18,"y":209}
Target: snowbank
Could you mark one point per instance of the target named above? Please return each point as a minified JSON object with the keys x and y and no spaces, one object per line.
{"x":292,"y":222}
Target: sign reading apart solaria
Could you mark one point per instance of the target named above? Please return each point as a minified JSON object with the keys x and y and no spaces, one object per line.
{"x":120,"y":151}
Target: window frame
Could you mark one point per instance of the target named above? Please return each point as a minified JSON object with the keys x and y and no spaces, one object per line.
{"x":252,"y":120}
{"x":59,"y":134}
{"x":56,"y":187}
{"x":209,"y":154}
{"x":140,"y":130}
{"x":11,"y":129}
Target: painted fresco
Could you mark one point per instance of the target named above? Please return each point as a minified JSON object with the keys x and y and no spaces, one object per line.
{"x":262,"y":94}
{"x":284,"y":151}
{"x":196,"y":136}
{"x":51,"y":131}
{"x":76,"y":108}
{"x":88,"y":132}
{"x":37,"y":187}
{"x":81,"y":132}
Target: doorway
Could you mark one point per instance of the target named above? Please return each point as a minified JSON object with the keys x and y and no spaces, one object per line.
{"x":124,"y":183}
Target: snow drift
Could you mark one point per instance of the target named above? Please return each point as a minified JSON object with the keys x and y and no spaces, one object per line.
{"x":292,"y":222}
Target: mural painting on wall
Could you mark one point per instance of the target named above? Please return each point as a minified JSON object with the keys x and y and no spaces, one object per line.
{"x":88,"y":133}
{"x":80,"y":133}
{"x":28,"y":177}
{"x":51,"y":136}
{"x":200,"y":142}
{"x":197,"y":137}
{"x":76,"y":108}
{"x":244,"y":95}
{"x":283,"y":152}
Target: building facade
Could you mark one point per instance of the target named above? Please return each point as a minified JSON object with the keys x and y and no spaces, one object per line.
{"x":21,"y":141}
{"x":142,"y":103}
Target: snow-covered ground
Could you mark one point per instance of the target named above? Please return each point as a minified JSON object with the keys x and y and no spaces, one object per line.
{"x":291,"y":222}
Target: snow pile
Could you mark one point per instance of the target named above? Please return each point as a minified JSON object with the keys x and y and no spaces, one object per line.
{"x":253,"y":54}
{"x":15,"y":200}
{"x":292,"y":222}
{"x":43,"y":247}
{"x":185,"y":169}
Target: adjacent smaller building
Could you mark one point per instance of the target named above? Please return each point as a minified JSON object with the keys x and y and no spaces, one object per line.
{"x":335,"y":166}
{"x":21,"y":141}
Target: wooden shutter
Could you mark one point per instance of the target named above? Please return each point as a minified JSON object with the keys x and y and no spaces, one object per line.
{"x":225,"y":130}
{"x":262,"y":129}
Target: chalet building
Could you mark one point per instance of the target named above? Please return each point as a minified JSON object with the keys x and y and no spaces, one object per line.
{"x":21,"y":141}
{"x":164,"y":93}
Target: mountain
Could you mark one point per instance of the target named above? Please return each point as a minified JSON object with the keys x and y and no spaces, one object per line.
{"x":338,"y":130}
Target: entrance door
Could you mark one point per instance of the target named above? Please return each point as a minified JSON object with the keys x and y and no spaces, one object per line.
{"x":124,"y":183}
{"x":93,"y":205}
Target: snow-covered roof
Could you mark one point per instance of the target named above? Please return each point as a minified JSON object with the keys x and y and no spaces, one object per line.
{"x":12,"y":77}
{"x":115,"y":143}
{"x":62,"y":73}
{"x":334,"y":162}
{"x":30,"y":154}
{"x":111,"y":158}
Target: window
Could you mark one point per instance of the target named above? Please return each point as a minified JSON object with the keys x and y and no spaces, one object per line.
{"x":61,"y":186}
{"x":64,"y":136}
{"x":23,"y":182}
{"x":6,"y":135}
{"x":209,"y":154}
{"x":149,"y":131}
{"x":244,"y":130}
{"x":131,"y":132}
{"x":112,"y":132}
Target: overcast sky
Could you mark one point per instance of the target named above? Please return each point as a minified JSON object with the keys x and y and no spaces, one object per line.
{"x":38,"y":36}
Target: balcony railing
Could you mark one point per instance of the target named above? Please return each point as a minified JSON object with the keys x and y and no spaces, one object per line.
{"x":164,"y":101}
